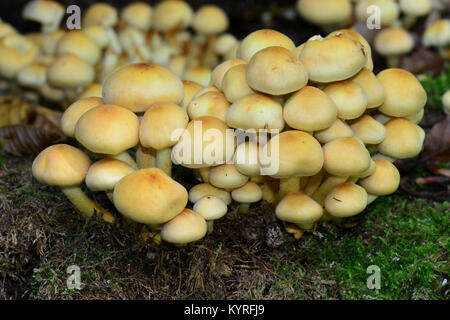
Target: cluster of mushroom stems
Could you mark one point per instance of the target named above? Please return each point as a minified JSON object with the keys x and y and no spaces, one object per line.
{"x":321,"y":132}
{"x":61,"y":65}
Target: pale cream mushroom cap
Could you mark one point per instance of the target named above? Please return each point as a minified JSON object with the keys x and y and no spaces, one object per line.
{"x":246,"y":158}
{"x":219,"y":71}
{"x":68,"y":71}
{"x":172,"y":14}
{"x":16,"y":51}
{"x":235,"y":85}
{"x":187,"y":226}
{"x":224,"y":44}
{"x":446,"y":102}
{"x":210,"y":20}
{"x":199,"y":191}
{"x":32,"y":75}
{"x":393,"y":41}
{"x":226,"y":176}
{"x":138,"y":15}
{"x":416,"y":8}
{"x":104,"y":174}
{"x":339,"y":129}
{"x":190,"y":90}
{"x":6,"y":29}
{"x":437,"y":34}
{"x":385,"y":180}
{"x":325,"y":12}
{"x":78,"y":43}
{"x":368,"y":130}
{"x":350,"y":98}
{"x":372,"y":87}
{"x":213,"y":104}
{"x":101,"y":14}
{"x":73,"y":113}
{"x":211,"y":208}
{"x":389,"y":10}
{"x":297,"y":207}
{"x":248,"y":193}
{"x":48,"y":13}
{"x":346,"y":200}
{"x":92,"y":90}
{"x":201,"y":75}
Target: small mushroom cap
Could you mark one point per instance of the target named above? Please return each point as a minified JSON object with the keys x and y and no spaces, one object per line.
{"x":404,"y":139}
{"x":172,"y":14}
{"x":346,"y":200}
{"x":334,"y":58}
{"x":149,"y":196}
{"x":206,"y":189}
{"x":248,"y":193}
{"x":108,"y":129}
{"x":226,"y":176}
{"x":224,"y":44}
{"x":187,"y":226}
{"x":61,"y":165}
{"x":385,"y":180}
{"x":92,"y":90}
{"x":201,"y":75}
{"x":160,"y":124}
{"x":298,"y":154}
{"x":104,"y":174}
{"x":404,"y":93}
{"x":97,"y":34}
{"x":297,"y":207}
{"x":78,"y":43}
{"x":32,"y":75}
{"x":42,"y":11}
{"x":101,"y":14}
{"x":349,"y":97}
{"x":389,"y":10}
{"x":339,"y":129}
{"x":325,"y":12}
{"x":446,"y":102}
{"x":246,"y":158}
{"x":261,"y":39}
{"x":345,"y":157}
{"x":372,"y":87}
{"x":6,"y":29}
{"x":210,"y":208}
{"x":16,"y":51}
{"x":256,"y":111}
{"x":138,"y":15}
{"x":219,"y":71}
{"x":417,"y":8}
{"x":309,"y":109}
{"x":70,"y":72}
{"x":206,"y":141}
{"x":210,"y":20}
{"x":177,"y":65}
{"x":393,"y":41}
{"x":416,"y":117}
{"x":235,"y":85}
{"x":50,"y":41}
{"x":213,"y":104}
{"x":276,"y":71}
{"x":437,"y":34}
{"x":191,"y":88}
{"x":369,"y":130}
{"x":141,"y":85}
{"x":73,"y":113}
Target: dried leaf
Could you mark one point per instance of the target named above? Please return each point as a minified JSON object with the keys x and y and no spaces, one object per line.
{"x":432,"y":180}
{"x":439,"y":171}
{"x":437,"y":143}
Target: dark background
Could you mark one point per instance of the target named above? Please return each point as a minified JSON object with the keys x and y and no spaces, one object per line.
{"x":244,"y":15}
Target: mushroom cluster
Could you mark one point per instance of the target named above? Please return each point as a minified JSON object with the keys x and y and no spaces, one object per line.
{"x":309,"y":128}
{"x":60,"y":65}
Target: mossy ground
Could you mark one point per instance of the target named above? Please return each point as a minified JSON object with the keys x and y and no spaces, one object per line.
{"x":247,"y":257}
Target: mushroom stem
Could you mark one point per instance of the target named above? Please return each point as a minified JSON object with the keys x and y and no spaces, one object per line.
{"x":371,"y":198}
{"x":268,"y":194}
{"x":393,"y":62}
{"x":306,"y":226}
{"x":330,"y":182}
{"x":287,"y":185}
{"x":145,"y":157}
{"x":204,"y":173}
{"x":210,"y":226}
{"x":109,"y":194}
{"x":314,"y":183}
{"x":164,"y":160}
{"x":125,"y":157}
{"x":244,"y":208}
{"x":84,"y":204}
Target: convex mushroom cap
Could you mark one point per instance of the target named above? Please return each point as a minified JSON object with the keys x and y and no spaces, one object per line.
{"x":210,"y":20}
{"x":138,"y":15}
{"x":349,"y":98}
{"x":68,"y":71}
{"x":104,"y":174}
{"x":372,"y":87}
{"x":385,"y":180}
{"x":346,"y":200}
{"x":48,"y":13}
{"x":213,"y":104}
{"x":172,"y":14}
{"x":149,"y":196}
{"x":325,"y":12}
{"x":206,"y":189}
{"x":16,"y":51}
{"x":248,"y":193}
{"x":78,"y":43}
{"x":210,"y":208}
{"x":388,"y":9}
{"x":393,"y":41}
{"x":73,"y":113}
{"x":368,"y":130}
{"x":298,"y":208}
{"x":188,"y":226}
{"x":226,"y":176}
{"x":101,"y":14}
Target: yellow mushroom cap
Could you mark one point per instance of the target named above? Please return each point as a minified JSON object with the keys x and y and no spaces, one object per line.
{"x":298,"y":153}
{"x":345,"y":157}
{"x":224,"y":44}
{"x":108,"y":129}
{"x":404,"y":93}
{"x":138,"y":15}
{"x":226,"y":176}
{"x":79,"y":44}
{"x":235,"y":85}
{"x":101,"y":14}
{"x":221,"y":69}
{"x":206,"y":141}
{"x":141,"y":85}
{"x":213,"y":104}
{"x":325,"y":12}
{"x":98,"y":34}
{"x":276,"y":71}
{"x":309,"y":109}
{"x":246,"y":158}
{"x":206,"y":189}
{"x":61,"y":165}
{"x":172,"y":14}
{"x":248,"y":193}
{"x":437,"y":34}
{"x":6,"y":29}
{"x":346,"y":200}
{"x":385,"y":180}
{"x":210,"y":20}
{"x":389,"y":11}
{"x":255,"y":111}
{"x":369,"y":130}
{"x":210,"y":208}
{"x":297,"y":207}
{"x":32,"y":75}
{"x":334,"y":58}
{"x":149,"y":196}
{"x":187,"y":226}
{"x":372,"y":87}
{"x":50,"y":41}
{"x":73,"y":113}
{"x":43,"y":11}
{"x":393,"y":41}
{"x":92,"y":90}
{"x":349,"y":97}
{"x":446,"y":102}
{"x":16,"y":51}
{"x":404,"y":139}
{"x":162,"y":125}
{"x":191,"y":88}
{"x":70,"y":72}
{"x":416,"y":8}
{"x":339,"y":129}
{"x":261,"y":39}
{"x":201,"y":75}
{"x":104,"y":174}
